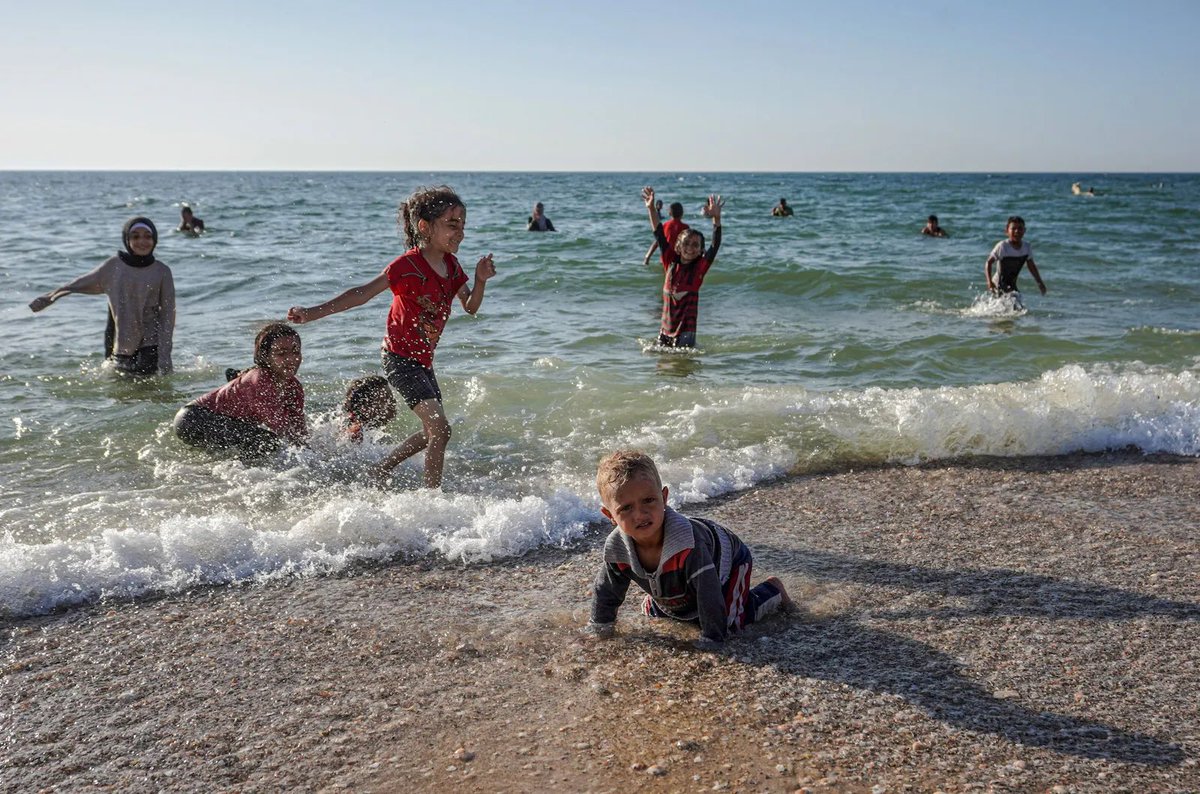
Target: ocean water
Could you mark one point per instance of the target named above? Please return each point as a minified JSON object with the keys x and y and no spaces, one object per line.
{"x":840,"y":336}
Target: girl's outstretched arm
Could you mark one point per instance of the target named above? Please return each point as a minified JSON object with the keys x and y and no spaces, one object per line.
{"x":355,"y":296}
{"x":472,"y":299}
{"x":88,"y":284}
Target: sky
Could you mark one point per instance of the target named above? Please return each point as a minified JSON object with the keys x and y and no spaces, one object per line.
{"x":789,"y":85}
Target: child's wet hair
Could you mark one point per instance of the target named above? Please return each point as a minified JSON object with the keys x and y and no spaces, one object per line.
{"x":362,"y":391}
{"x":676,"y":210}
{"x":1017,"y":219}
{"x":620,"y":467}
{"x":270,"y":333}
{"x":425,"y":204}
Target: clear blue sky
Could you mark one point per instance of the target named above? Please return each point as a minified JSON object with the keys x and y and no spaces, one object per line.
{"x":788,"y":85}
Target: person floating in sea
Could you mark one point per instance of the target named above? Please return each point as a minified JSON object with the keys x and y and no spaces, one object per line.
{"x":684,"y":270}
{"x":1010,"y":255}
{"x":1076,"y":189}
{"x":692,"y":569}
{"x":671,"y":228}
{"x":141,"y":302}
{"x":538,"y":222}
{"x":424,"y":281}
{"x":189,"y":224}
{"x":259,"y":410}
{"x":782,"y":210}
{"x":932,"y":229}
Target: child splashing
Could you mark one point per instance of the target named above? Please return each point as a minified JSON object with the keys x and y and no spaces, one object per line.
{"x":424,"y":281}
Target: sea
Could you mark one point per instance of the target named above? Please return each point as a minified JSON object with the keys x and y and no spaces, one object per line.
{"x":837,"y":338}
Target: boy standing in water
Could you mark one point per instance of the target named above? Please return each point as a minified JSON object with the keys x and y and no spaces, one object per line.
{"x":692,"y":569}
{"x":1011,"y":254}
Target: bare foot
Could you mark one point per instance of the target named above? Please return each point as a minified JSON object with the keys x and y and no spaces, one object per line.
{"x":786,"y":604}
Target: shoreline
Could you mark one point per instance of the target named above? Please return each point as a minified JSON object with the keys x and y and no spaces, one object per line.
{"x":1023,"y":623}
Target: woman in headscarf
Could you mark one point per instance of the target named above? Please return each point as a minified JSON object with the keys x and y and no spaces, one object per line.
{"x":141,"y":302}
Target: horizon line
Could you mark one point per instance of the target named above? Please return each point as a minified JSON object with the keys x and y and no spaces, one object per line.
{"x":551,"y":171}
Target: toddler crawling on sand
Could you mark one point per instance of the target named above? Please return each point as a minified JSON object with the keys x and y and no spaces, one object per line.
{"x":692,"y":569}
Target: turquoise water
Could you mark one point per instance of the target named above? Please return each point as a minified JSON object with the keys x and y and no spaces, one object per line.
{"x":840,"y":335}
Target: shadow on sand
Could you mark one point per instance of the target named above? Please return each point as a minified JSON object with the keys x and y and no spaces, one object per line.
{"x":844,"y":649}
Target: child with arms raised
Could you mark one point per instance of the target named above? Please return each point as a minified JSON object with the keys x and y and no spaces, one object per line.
{"x":424,"y":282}
{"x":691,"y":569}
{"x":684,"y":270}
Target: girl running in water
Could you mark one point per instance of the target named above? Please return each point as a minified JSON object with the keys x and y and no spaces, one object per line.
{"x":424,"y":281}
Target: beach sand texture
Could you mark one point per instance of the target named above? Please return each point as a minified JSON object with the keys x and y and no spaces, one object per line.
{"x":1026,"y":624}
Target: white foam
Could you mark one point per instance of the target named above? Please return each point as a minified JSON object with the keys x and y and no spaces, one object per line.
{"x":988,"y":305}
{"x":205,"y":521}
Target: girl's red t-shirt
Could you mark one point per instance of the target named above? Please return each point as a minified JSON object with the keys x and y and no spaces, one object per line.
{"x":421,"y":301}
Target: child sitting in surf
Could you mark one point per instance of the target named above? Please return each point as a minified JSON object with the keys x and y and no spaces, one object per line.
{"x":259,"y":410}
{"x":424,"y":281}
{"x":692,"y":569}
{"x":141,"y":302}
{"x":684,"y":269}
{"x":1011,"y":255}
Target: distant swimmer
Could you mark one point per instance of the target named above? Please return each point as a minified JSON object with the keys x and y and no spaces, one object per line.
{"x":1092,"y":192}
{"x":1076,"y":189}
{"x":538,"y":222}
{"x":258,"y":411}
{"x":932,"y":229}
{"x":141,"y":302}
{"x":189,"y":224}
{"x":1011,"y":255}
{"x":782,"y":210}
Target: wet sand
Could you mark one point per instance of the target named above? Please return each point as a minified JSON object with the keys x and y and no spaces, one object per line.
{"x":1022,"y":624}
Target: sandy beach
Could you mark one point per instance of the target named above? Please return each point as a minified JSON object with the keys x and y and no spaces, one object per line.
{"x":1026,"y":624}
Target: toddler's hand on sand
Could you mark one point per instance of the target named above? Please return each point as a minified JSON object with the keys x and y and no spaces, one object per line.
{"x":297,"y":315}
{"x":485,"y":269}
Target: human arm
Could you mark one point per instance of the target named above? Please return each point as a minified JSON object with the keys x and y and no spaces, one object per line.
{"x":987,"y":271}
{"x":1033,"y":271}
{"x":710,"y":596}
{"x":550,"y":226}
{"x":713,"y":208}
{"x":472,"y":298}
{"x":648,"y":197}
{"x":91,"y":283}
{"x":166,"y":323}
{"x":650,"y":252}
{"x":608,"y":593}
{"x":355,"y":296}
